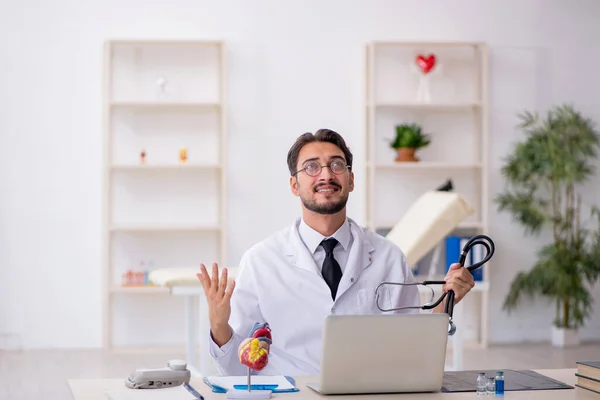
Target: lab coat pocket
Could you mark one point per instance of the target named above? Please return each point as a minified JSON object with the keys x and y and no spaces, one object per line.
{"x":368,"y":301}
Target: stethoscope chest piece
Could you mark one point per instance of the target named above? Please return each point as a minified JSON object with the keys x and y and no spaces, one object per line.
{"x":451,"y":327}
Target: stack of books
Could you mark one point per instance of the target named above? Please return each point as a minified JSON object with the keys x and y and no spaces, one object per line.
{"x":588,"y":375}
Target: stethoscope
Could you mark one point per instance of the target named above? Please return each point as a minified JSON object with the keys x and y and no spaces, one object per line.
{"x":449,"y":307}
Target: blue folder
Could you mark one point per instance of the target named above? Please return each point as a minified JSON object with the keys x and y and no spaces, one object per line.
{"x":453,"y":250}
{"x":273,"y":388}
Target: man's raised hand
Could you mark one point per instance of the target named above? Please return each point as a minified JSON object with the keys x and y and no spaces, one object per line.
{"x":217,"y":291}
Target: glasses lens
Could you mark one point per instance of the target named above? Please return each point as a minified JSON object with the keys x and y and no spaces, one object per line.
{"x":338,"y":167}
{"x":313,"y":168}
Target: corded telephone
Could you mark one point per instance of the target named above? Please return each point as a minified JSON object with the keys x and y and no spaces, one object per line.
{"x":174,"y":374}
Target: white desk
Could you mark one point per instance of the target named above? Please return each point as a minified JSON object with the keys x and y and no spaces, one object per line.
{"x":93,"y":389}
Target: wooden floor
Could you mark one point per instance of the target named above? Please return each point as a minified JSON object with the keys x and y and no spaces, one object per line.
{"x":42,"y":375}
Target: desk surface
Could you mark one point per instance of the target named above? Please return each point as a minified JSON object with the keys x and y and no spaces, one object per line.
{"x":93,"y":389}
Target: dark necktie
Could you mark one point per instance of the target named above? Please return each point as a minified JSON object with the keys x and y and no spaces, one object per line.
{"x":332,"y":273}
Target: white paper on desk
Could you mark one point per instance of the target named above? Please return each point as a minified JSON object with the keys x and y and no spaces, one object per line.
{"x":172,"y":393}
{"x":227,"y":382}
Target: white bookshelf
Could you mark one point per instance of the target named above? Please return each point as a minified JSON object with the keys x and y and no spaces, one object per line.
{"x":455,"y":117}
{"x":160,"y":212}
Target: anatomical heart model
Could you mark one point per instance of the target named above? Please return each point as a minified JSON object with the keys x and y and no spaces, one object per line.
{"x":254,"y":350}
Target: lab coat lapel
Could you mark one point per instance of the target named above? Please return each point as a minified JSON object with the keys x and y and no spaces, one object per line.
{"x":359,"y":258}
{"x":296,"y":252}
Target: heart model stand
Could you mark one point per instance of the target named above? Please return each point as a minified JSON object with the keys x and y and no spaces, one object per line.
{"x":426,"y":68}
{"x":254,"y":353}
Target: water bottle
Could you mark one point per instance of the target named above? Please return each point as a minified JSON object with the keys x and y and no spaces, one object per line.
{"x":481,"y":384}
{"x":499,"y":383}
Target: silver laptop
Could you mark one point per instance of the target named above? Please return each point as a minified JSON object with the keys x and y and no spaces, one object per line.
{"x":390,"y":353}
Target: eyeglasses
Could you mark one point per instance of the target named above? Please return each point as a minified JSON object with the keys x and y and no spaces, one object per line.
{"x":314,"y":168}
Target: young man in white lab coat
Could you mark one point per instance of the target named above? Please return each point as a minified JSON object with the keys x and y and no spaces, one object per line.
{"x":291,"y":282}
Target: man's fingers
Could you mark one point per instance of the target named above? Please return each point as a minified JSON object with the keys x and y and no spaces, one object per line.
{"x":223,"y":282}
{"x":459,"y":287}
{"x":204,"y":279}
{"x":201,"y":279}
{"x":462,"y":275}
{"x":466,"y":277}
{"x":453,"y":267}
{"x":215,"y":276}
{"x":229,"y":291}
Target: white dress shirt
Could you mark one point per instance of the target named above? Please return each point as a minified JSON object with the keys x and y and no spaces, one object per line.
{"x":312,"y":240}
{"x":279,"y":281}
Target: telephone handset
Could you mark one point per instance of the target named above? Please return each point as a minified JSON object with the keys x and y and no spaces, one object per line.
{"x":174,"y":374}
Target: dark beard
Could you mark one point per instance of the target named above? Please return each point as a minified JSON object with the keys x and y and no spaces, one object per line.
{"x":329,"y":208}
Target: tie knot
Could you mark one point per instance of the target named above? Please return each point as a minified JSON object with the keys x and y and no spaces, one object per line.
{"x":329,"y":245}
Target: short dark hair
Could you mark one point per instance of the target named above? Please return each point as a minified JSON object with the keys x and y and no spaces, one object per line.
{"x":322,"y":135}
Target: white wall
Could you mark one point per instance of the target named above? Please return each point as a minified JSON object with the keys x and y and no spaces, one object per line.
{"x":293,"y":68}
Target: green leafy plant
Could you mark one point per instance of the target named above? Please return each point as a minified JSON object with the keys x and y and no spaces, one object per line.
{"x":409,"y":136}
{"x":543,"y":174}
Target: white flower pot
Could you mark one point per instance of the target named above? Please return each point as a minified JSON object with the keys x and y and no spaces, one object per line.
{"x":562,"y":337}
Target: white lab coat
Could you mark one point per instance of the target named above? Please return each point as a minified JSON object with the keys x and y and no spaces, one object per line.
{"x":278,"y":282}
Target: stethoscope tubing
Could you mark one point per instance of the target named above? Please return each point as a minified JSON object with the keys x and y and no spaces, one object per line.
{"x":482,"y":240}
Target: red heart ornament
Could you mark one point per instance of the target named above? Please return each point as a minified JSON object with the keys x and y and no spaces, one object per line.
{"x":426,"y":63}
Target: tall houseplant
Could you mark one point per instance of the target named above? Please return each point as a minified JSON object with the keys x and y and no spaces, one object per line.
{"x":543,"y":175}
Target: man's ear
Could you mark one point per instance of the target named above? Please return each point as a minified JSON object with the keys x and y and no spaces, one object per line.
{"x":294,"y":185}
{"x":351,"y":182}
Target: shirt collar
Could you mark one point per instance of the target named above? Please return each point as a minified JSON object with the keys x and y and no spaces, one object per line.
{"x":312,"y":239}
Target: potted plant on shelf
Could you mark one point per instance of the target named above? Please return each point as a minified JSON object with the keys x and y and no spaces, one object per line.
{"x":408,"y":140}
{"x":543,"y":174}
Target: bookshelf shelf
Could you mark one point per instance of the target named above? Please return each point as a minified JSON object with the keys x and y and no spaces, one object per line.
{"x":166,"y":228}
{"x":155,"y":167}
{"x":140,"y":290}
{"x":163,"y":104}
{"x":165,"y":174}
{"x":465,"y":225}
{"x":453,"y":112}
{"x":440,"y":107}
{"x":428,"y":165}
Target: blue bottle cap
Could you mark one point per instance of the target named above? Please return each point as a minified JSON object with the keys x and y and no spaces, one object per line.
{"x":499,"y":373}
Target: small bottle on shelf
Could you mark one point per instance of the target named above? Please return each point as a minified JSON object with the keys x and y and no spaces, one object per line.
{"x":161,"y":83}
{"x":183,"y":155}
{"x":139,"y":278}
{"x":147,"y":272}
{"x":129,"y":279}
{"x":139,"y":275}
